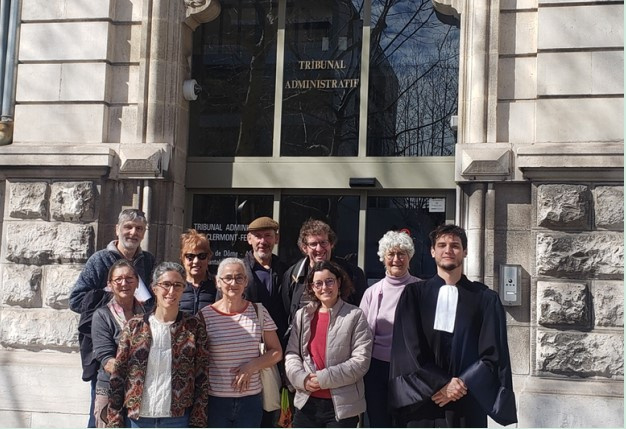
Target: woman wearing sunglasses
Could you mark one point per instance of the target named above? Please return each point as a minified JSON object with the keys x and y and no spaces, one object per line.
{"x":195,"y":254}
{"x":328,"y":353}
{"x":160,"y":374}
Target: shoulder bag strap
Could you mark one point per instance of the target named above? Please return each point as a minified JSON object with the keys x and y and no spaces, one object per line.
{"x":259,"y":315}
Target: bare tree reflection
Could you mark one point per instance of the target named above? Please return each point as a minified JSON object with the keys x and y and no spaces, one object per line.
{"x":413,"y":80}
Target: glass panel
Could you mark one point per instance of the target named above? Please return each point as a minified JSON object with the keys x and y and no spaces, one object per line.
{"x":413,"y":88}
{"x":225,"y":218}
{"x":234,"y":60}
{"x":321,"y":78}
{"x":418,"y":215}
{"x":341,"y":213}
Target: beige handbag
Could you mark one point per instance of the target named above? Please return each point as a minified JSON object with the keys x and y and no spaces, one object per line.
{"x":270,"y":378}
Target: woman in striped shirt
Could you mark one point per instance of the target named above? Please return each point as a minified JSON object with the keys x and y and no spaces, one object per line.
{"x":234,"y":334}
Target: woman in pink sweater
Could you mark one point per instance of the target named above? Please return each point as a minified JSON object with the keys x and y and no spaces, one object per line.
{"x":379,"y":302}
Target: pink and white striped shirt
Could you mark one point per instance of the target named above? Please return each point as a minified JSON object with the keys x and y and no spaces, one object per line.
{"x":233,"y":341}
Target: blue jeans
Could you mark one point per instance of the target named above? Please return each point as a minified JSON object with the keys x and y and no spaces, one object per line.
{"x":244,"y":412}
{"x":160,"y":422}
{"x":92,"y":419}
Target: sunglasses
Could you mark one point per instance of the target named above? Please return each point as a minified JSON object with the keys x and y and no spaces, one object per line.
{"x":191,"y":256}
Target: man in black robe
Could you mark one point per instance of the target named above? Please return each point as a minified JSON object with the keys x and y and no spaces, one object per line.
{"x":450,"y":364}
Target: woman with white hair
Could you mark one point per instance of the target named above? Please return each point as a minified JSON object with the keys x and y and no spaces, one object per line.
{"x":379,"y":302}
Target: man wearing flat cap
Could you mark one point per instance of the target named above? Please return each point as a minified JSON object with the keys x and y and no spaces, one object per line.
{"x":265,"y":270}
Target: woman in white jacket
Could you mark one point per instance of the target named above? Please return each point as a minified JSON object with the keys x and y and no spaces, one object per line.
{"x":328,"y":353}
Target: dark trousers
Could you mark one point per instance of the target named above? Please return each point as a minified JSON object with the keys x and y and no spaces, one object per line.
{"x":320,"y":413}
{"x":376,"y":394}
{"x":270,"y":419}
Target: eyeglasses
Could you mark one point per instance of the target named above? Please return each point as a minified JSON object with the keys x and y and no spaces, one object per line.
{"x":237,"y":279}
{"x":120,"y":280}
{"x":191,"y":256}
{"x":168,"y":285}
{"x":313,"y":244}
{"x":400,"y":255}
{"x":329,"y":282}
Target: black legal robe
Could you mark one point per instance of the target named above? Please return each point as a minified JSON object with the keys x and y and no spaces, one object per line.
{"x":423,"y":359}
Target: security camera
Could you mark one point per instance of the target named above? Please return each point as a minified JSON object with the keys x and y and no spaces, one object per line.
{"x":191,"y":89}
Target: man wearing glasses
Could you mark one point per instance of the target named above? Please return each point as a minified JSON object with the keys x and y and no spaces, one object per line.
{"x":89,"y":292}
{"x":316,"y":241}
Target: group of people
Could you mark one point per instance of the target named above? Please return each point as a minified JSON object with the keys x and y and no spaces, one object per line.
{"x":172,"y":345}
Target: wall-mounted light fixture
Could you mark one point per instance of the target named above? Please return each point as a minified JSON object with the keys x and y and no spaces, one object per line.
{"x":191,"y":89}
{"x":362,"y":182}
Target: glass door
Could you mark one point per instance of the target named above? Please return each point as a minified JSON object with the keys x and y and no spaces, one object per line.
{"x":416,"y":216}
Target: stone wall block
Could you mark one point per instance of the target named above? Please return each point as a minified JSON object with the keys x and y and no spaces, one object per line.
{"x":73,"y":201}
{"x":39,"y":329}
{"x":21,"y":285}
{"x":585,"y":255}
{"x":36,"y":243}
{"x":581,"y":354}
{"x":67,"y":129}
{"x":608,"y":303}
{"x":58,"y":284}
{"x":28,"y":200}
{"x":609,"y":207}
{"x":576,"y":119}
{"x":563,"y":304}
{"x":563,"y":206}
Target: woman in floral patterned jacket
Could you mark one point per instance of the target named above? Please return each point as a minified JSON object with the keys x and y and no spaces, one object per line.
{"x":160,"y":376}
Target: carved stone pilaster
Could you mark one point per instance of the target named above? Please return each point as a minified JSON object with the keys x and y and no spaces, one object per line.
{"x":201,"y":11}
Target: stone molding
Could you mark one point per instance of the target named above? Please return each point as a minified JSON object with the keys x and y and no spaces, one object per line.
{"x":597,"y":161}
{"x":201,"y":11}
{"x":30,"y":160}
{"x":126,"y":161}
{"x":144,"y":161}
{"x":488,"y":161}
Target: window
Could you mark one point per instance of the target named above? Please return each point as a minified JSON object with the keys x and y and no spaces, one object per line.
{"x":413,"y":80}
{"x":340,"y":212}
{"x":417,"y":216}
{"x":234,"y":60}
{"x":225,"y":218}
{"x":412,"y":64}
{"x":321,"y":78}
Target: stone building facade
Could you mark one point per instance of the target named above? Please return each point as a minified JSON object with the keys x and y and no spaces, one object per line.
{"x":101,"y":123}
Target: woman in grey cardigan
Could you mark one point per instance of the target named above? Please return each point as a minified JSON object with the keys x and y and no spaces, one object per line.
{"x":106,"y":328}
{"x":328,"y":353}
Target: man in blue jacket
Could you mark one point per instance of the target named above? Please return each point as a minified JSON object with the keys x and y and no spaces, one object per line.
{"x":130,"y":230}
